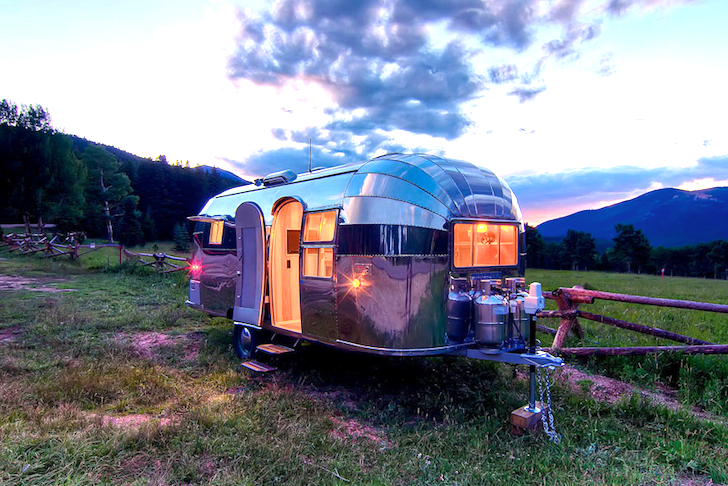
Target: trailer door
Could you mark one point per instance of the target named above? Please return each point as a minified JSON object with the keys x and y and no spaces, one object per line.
{"x":250,"y":233}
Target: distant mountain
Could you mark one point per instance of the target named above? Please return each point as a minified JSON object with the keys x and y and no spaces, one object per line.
{"x":225,"y":174}
{"x":668,"y":217}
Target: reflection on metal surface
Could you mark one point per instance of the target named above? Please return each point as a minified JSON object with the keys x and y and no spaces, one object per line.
{"x":439,"y":189}
{"x":376,"y":257}
{"x":218,"y":278}
{"x":318,"y":308}
{"x":450,"y":349}
{"x":379,"y":210}
{"x":389,"y":239}
{"x":401,"y":304}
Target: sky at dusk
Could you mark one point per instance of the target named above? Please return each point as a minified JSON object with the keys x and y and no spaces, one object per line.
{"x":576,"y":103}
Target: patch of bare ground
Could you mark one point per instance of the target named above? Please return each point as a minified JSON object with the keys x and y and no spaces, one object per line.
{"x":133,"y":421}
{"x":690,"y":480}
{"x":342,"y":398}
{"x":9,"y":335}
{"x":610,"y":390}
{"x":153,"y":470}
{"x":146,"y":344}
{"x":353,"y":429}
{"x":17,"y":282}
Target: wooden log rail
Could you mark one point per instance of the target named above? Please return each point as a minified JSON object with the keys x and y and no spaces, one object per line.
{"x":70,"y":246}
{"x":568,"y":300}
{"x":159,"y":261}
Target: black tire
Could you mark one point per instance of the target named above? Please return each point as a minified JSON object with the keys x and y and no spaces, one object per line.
{"x":245,"y":340}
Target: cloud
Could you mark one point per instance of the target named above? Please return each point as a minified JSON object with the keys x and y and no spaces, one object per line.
{"x":526,"y":94}
{"x":296,"y":159}
{"x":562,"y":193}
{"x":412,"y":65}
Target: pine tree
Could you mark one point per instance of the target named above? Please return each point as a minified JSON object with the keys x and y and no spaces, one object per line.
{"x":130,"y":225}
{"x":181,"y":238}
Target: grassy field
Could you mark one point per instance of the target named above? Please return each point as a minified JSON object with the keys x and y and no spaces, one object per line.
{"x":117,"y":382}
{"x":700,"y":380}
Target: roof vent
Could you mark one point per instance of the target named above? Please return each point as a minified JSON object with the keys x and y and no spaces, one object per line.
{"x":281,"y":177}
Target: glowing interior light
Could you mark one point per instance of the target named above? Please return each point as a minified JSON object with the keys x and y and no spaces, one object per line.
{"x":356,"y":283}
{"x":482,"y":228}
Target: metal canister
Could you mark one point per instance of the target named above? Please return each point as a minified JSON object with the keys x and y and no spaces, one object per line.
{"x":459,"y":310}
{"x":521,"y":324}
{"x":491,"y":315}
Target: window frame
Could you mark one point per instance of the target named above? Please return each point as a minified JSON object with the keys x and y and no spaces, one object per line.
{"x":517,"y":241}
{"x":318,"y":244}
{"x":307,"y":215}
{"x":217,"y":228}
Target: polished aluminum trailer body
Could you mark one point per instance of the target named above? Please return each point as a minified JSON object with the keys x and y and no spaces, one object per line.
{"x":383,"y":279}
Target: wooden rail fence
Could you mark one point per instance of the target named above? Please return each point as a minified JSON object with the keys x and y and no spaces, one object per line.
{"x":69,"y":245}
{"x":568,"y":301}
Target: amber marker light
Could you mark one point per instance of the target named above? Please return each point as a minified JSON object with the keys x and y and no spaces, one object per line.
{"x":356,"y":283}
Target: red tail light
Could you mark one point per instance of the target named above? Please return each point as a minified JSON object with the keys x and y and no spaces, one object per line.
{"x":195,"y":268}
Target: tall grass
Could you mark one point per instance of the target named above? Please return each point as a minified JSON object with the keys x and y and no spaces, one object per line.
{"x":700,"y":380}
{"x":326,"y":417}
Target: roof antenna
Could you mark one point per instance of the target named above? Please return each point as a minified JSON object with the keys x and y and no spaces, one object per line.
{"x":309,"y":154}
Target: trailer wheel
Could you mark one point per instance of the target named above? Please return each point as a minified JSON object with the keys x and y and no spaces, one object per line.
{"x":245,"y":340}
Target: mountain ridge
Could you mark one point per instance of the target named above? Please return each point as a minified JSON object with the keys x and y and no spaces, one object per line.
{"x":669,"y":217}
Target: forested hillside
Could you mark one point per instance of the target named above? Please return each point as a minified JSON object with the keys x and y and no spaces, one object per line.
{"x":51,"y":177}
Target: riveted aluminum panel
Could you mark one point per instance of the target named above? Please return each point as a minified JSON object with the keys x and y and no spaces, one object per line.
{"x":438,"y":175}
{"x":320,"y":193}
{"x":218,"y":277}
{"x":413,"y":175}
{"x":400,"y":303}
{"x":384,"y":186}
{"x":451,"y":189}
{"x":378,"y":210}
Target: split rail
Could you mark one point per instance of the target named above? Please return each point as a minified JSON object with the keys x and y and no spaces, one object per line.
{"x":70,"y":245}
{"x":568,"y":301}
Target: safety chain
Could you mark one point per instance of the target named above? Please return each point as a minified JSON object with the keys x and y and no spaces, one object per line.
{"x":547,"y":414}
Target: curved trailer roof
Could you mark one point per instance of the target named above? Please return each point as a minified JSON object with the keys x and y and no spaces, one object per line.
{"x":405,"y":189}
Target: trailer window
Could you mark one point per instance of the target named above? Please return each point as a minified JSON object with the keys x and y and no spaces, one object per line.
{"x":216,"y":232}
{"x":485,"y":244}
{"x":320,"y":226}
{"x":318,"y":262}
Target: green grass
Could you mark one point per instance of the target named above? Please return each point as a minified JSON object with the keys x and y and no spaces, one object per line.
{"x":325,"y":415}
{"x":700,"y":380}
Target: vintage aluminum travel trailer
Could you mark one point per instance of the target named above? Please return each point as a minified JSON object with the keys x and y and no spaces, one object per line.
{"x":403,"y":255}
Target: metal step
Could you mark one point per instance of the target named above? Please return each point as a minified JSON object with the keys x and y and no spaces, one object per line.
{"x":258,"y":367}
{"x":275,"y":349}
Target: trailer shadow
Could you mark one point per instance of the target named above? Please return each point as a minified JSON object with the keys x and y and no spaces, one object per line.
{"x":385,"y":389}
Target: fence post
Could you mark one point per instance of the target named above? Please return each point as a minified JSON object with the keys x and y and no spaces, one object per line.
{"x":568,"y":323}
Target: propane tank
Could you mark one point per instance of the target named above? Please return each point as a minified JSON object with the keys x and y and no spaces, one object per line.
{"x":491,"y":313}
{"x":459,"y":310}
{"x":521,"y":324}
{"x":480,"y":287}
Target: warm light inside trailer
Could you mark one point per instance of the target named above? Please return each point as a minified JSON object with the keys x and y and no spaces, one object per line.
{"x":485,"y":244}
{"x":216,"y":228}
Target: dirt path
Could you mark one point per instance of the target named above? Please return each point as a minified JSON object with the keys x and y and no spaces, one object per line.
{"x":146,"y":344}
{"x":610,"y":390}
{"x":17,"y":282}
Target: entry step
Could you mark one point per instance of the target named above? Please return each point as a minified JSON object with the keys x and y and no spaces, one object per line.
{"x":275,"y":349}
{"x":258,"y":367}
